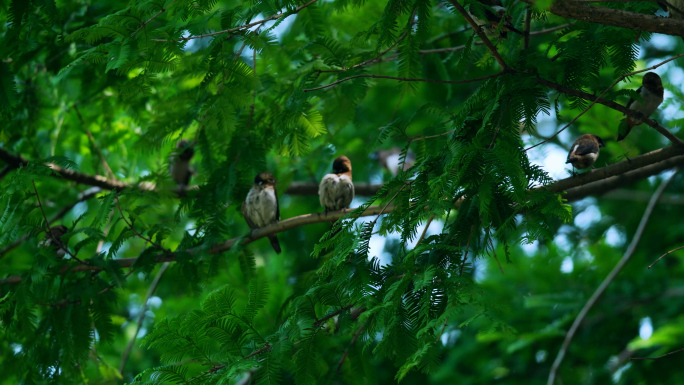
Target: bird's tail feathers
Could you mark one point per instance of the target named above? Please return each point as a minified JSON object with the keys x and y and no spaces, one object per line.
{"x":275,"y":243}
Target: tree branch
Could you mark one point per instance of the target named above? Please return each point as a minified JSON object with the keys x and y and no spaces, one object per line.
{"x":481,"y":34}
{"x":618,"y":107}
{"x":143,"y":25}
{"x":246,"y":26}
{"x":661,"y":257}
{"x":404,"y":80}
{"x":618,"y":18}
{"x":599,"y":291}
{"x":642,"y":166}
{"x":597,"y":99}
{"x":655,"y":358}
{"x":85,"y":195}
{"x":150,"y":292}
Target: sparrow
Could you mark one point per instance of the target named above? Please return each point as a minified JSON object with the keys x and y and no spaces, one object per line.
{"x":260,"y":208}
{"x":585,"y":151}
{"x":336,"y":190}
{"x":179,"y":166}
{"x":494,"y":13}
{"x":53,"y":240}
{"x":651,"y":92}
{"x":390,"y":159}
{"x":676,"y":9}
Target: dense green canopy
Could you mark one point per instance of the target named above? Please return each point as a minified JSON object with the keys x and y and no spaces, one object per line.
{"x":469,"y":267}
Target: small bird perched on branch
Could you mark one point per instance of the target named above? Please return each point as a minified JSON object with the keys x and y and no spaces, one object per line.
{"x":179,"y":167}
{"x":494,"y":13}
{"x":585,"y":151}
{"x":674,"y":7}
{"x":391,"y":159}
{"x":260,"y":208}
{"x":53,"y":240}
{"x":651,"y":92}
{"x":336,"y":190}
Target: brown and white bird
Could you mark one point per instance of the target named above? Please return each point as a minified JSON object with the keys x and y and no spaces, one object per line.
{"x":585,"y":151}
{"x":260,"y":208}
{"x":53,"y":240}
{"x":179,"y":166}
{"x":336,"y":190}
{"x":676,"y":9}
{"x":494,"y":13}
{"x":651,"y":92}
{"x":391,"y":159}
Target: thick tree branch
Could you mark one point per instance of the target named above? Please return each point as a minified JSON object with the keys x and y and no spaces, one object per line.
{"x":618,"y":18}
{"x":246,"y":26}
{"x":616,"y":169}
{"x":599,"y":291}
{"x":651,"y":163}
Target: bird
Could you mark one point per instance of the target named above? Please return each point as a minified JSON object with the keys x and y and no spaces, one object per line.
{"x":260,"y":208}
{"x":494,"y":12}
{"x":53,"y":240}
{"x":336,"y":190}
{"x":391,"y":159}
{"x":676,"y":9}
{"x":651,"y":92}
{"x":585,"y":151}
{"x":179,"y":166}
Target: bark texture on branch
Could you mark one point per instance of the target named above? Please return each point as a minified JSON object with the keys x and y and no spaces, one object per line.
{"x":577,"y":187}
{"x":618,"y":18}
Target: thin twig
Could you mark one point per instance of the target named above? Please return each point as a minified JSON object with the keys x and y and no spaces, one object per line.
{"x":655,"y":358}
{"x":526,"y":31}
{"x":143,"y":25}
{"x":661,"y":257}
{"x":346,"y":351}
{"x":85,"y":195}
{"x":481,"y":34}
{"x":49,"y":230}
{"x":427,"y":224}
{"x":130,"y":225}
{"x":246,"y":26}
{"x":622,"y":77}
{"x":404,"y":80}
{"x":150,"y":292}
{"x":322,"y":320}
{"x":465,"y":256}
{"x":495,"y":257}
{"x":599,"y":291}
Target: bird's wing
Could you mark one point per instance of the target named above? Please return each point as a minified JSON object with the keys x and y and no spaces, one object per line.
{"x":246,"y":215}
{"x":629,"y":103}
{"x":277,"y":217}
{"x":586,"y":148}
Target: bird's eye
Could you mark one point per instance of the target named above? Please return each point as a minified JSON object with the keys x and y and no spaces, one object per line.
{"x":260,"y":182}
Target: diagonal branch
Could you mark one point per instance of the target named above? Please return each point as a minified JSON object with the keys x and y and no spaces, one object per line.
{"x":143,"y":25}
{"x":478,"y":31}
{"x":599,"y":291}
{"x":598,"y":99}
{"x":577,"y":188}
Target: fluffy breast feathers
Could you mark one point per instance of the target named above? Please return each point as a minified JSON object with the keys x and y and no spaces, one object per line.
{"x":261,"y":207}
{"x":336,"y":192}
